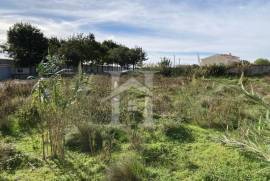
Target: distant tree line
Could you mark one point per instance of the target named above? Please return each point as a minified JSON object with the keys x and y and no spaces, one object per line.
{"x":28,"y":46}
{"x":262,"y":61}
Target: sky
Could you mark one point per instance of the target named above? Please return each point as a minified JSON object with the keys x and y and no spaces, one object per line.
{"x":184,"y":28}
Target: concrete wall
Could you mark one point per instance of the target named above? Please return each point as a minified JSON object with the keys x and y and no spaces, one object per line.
{"x":251,"y":70}
{"x":5,"y":69}
{"x":9,"y":70}
{"x":5,"y":72}
{"x":102,"y":69}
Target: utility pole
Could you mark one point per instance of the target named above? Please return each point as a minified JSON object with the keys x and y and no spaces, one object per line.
{"x":199,"y":59}
{"x":174,"y":60}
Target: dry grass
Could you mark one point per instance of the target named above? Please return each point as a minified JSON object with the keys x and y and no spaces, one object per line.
{"x":12,"y":95}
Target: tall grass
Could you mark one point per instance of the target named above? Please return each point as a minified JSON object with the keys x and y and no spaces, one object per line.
{"x":12,"y":95}
{"x":253,"y":138}
{"x":129,"y":168}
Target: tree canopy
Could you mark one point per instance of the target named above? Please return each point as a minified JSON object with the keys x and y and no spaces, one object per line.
{"x":26,"y":44}
{"x":84,"y":48}
{"x":262,"y":61}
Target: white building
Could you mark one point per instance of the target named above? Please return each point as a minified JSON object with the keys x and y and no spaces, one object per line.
{"x":8,"y":69}
{"x":220,"y":59}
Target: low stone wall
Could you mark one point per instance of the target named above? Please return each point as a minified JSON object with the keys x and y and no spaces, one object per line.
{"x":251,"y":70}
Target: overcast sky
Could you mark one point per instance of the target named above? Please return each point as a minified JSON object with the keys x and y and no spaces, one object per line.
{"x":161,"y":27}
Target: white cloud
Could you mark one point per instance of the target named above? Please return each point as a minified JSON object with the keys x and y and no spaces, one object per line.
{"x":240,"y":27}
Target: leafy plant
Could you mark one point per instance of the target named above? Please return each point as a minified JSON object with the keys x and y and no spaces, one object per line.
{"x":128,"y":168}
{"x":165,"y":67}
{"x":253,"y":138}
{"x":51,"y":97}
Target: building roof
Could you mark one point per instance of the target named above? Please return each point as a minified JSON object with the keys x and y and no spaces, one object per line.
{"x":226,"y":59}
{"x":4,"y":55}
{"x":5,"y":59}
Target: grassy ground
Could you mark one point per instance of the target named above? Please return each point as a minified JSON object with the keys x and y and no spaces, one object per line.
{"x":190,"y":117}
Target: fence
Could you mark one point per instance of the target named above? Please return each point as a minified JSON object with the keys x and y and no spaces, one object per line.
{"x":250,"y":70}
{"x":97,"y":69}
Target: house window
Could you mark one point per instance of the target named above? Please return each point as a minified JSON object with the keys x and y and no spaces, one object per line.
{"x":20,"y":70}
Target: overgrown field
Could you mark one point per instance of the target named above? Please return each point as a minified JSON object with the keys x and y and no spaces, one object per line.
{"x":203,"y":129}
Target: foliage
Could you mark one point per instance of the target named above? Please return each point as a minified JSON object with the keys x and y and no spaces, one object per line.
{"x":128,"y":168}
{"x":50,"y":66}
{"x":93,"y":138}
{"x":178,"y":132}
{"x":262,"y":61}
{"x":165,"y":67}
{"x":54,"y":44}
{"x":253,"y":138}
{"x":11,"y":160}
{"x":51,"y":98}
{"x":28,"y":118}
{"x":212,"y":70}
{"x":119,"y":55}
{"x":125,"y":56}
{"x":156,"y":154}
{"x":26,"y":44}
{"x":80,"y":48}
{"x":180,"y":145}
{"x":12,"y":96}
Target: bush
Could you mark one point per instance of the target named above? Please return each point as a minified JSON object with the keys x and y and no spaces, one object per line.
{"x":128,"y":168}
{"x":162,"y":104}
{"x":178,"y":132}
{"x":95,"y":138}
{"x":11,"y":160}
{"x":189,"y":70}
{"x":12,"y":95}
{"x":262,"y":61}
{"x":165,"y":67}
{"x":155,"y":153}
{"x":212,"y":70}
{"x":28,"y":118}
{"x":9,"y":127}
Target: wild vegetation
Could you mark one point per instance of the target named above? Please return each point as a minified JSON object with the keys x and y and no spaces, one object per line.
{"x":206,"y":124}
{"x":204,"y":128}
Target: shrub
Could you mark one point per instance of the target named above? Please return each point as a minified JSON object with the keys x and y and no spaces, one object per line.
{"x":14,"y":89}
{"x":136,"y":141}
{"x":155,"y":153}
{"x":184,"y":70}
{"x":162,"y":104}
{"x":128,"y":168}
{"x":176,"y":131}
{"x":28,"y":118}
{"x":262,"y":61}
{"x":11,"y":160}
{"x":8,"y":107}
{"x":12,"y":95}
{"x":212,"y":70}
{"x":9,"y":127}
{"x":165,"y":67}
{"x":95,"y":138}
{"x":253,"y":138}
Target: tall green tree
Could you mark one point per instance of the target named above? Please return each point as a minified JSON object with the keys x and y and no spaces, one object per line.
{"x":106,"y":48}
{"x":54,"y":46}
{"x":119,"y":56}
{"x":81,"y":48}
{"x":262,"y":61}
{"x":26,"y":44}
{"x":136,"y":56}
